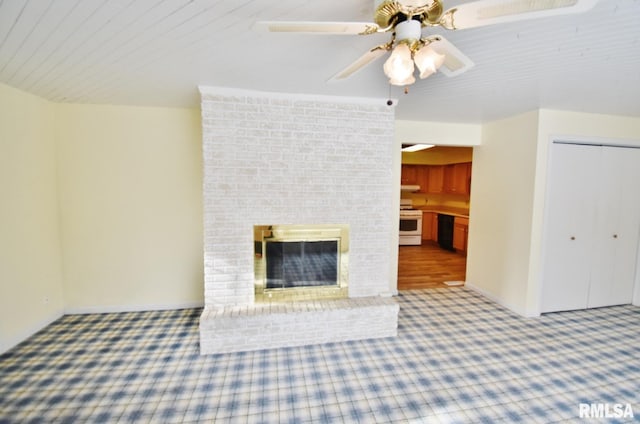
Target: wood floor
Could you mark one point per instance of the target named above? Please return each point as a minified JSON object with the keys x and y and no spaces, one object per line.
{"x":429,"y":266}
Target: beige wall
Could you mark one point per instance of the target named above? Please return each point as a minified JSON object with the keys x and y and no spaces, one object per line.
{"x":131,"y":207}
{"x":31,"y":292}
{"x":509,"y":186}
{"x":439,"y":133}
{"x":503,"y":178}
{"x":101,"y":210}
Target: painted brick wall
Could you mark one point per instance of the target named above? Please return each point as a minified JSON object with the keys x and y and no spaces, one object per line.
{"x":293,"y":159}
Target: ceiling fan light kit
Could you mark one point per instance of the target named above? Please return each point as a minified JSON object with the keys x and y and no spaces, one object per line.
{"x":406,"y":19}
{"x":399,"y":67}
{"x":410,"y":48}
{"x":428,"y":61}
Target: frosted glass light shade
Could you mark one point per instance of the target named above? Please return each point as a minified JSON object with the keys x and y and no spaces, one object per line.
{"x":399,"y":67}
{"x":428,"y":61}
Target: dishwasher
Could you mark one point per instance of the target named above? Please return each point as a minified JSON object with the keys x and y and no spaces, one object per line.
{"x":445,"y":231}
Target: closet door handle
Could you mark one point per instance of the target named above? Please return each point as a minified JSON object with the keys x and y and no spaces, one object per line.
{"x":615,"y":236}
{"x":573,"y":237}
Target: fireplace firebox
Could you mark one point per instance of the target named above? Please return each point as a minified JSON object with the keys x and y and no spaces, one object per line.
{"x":301,"y":262}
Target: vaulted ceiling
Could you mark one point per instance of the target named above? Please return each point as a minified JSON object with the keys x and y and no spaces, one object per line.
{"x":157,"y":52}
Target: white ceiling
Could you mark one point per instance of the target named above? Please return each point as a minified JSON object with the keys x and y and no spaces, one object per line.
{"x":156,"y":53}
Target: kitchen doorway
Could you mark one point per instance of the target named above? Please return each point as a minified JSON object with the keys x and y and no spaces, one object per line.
{"x":428,"y":266}
{"x":437,"y":183}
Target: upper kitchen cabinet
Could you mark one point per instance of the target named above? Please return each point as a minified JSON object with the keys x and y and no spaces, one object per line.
{"x":409,"y":174}
{"x":457,"y":178}
{"x":440,"y":170}
{"x":435,"y":179}
{"x":416,"y":175}
{"x":422,"y":176}
{"x":438,"y":179}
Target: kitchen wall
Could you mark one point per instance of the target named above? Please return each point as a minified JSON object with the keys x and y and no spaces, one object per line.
{"x":439,"y":155}
{"x":440,"y":200}
{"x":31,"y":291}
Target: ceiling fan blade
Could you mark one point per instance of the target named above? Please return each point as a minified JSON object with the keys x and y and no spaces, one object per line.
{"x":361,"y":62}
{"x":339,"y":28}
{"x":489,"y":12}
{"x":455,"y":62}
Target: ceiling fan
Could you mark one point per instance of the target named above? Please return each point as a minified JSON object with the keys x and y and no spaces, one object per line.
{"x":405,"y":20}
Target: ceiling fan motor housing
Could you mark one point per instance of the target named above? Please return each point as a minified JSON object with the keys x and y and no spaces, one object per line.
{"x":388,"y":13}
{"x":408,"y":32}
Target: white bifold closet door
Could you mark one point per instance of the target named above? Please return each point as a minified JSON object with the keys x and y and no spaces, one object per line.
{"x":617,"y":228}
{"x":592,"y":227}
{"x":569,"y":227}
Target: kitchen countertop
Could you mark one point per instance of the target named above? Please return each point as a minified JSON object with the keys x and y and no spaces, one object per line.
{"x":460,"y":212}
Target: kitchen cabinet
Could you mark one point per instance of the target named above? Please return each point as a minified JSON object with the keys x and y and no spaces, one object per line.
{"x":437,"y":179}
{"x":457,"y":178}
{"x":409,"y":174}
{"x":435,"y":175}
{"x":416,"y":175}
{"x":591,"y":228}
{"x":460,"y":233}
{"x":430,"y":226}
{"x":422,"y":177}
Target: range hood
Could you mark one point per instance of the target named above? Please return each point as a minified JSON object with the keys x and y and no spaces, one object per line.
{"x":409,"y":188}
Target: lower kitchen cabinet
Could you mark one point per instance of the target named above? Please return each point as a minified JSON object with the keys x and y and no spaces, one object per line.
{"x":592,"y":226}
{"x":460,"y":230}
{"x":460,"y":233}
{"x":430,"y":226}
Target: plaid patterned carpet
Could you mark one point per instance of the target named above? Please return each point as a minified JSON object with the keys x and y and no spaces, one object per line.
{"x":458,"y":357}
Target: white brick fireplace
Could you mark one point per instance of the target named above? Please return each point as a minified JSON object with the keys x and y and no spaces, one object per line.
{"x":273,"y":159}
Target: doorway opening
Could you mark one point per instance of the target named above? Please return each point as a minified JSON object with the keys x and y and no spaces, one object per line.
{"x":436,"y":182}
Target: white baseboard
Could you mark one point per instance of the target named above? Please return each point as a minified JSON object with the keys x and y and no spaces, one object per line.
{"x":500,"y":302}
{"x":131,"y":308}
